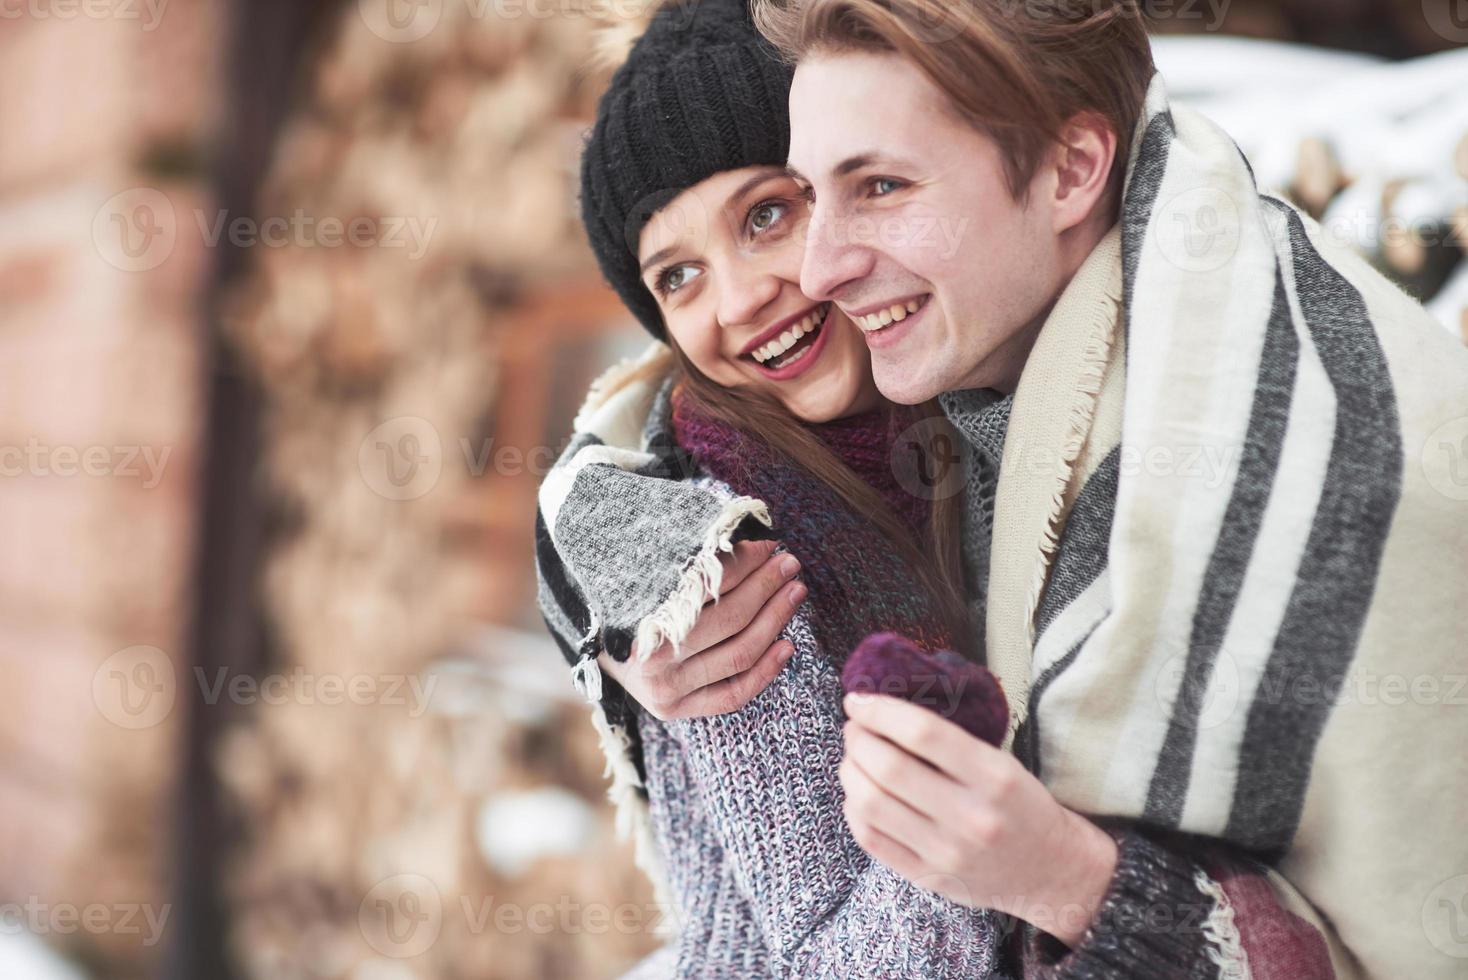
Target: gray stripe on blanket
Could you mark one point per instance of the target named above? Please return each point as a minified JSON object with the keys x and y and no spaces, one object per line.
{"x":1323,"y":621}
{"x":1136,"y":212}
{"x":1081,"y":556}
{"x":1027,"y":736}
{"x":1224,"y":578}
{"x":561,"y":605}
{"x":1079,"y":561}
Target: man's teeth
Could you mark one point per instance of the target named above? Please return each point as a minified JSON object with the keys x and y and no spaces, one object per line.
{"x":787,"y":339}
{"x":881,"y":318}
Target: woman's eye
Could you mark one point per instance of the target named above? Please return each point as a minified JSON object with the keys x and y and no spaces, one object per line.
{"x":676,"y":278}
{"x":882,"y":186}
{"x":765,"y":215}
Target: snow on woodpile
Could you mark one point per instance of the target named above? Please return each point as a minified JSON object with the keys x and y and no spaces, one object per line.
{"x":1376,"y":150}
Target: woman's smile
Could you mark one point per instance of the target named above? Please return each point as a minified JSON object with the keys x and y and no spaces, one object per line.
{"x":790,"y":347}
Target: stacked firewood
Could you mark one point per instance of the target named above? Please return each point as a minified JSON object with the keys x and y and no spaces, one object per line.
{"x":414,"y":830}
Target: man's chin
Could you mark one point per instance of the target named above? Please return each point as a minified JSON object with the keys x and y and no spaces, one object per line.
{"x":905,"y":380}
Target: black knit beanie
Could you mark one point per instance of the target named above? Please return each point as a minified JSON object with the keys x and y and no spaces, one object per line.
{"x":701,"y":92}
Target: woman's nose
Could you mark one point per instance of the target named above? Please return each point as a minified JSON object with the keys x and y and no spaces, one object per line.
{"x":748,"y":287}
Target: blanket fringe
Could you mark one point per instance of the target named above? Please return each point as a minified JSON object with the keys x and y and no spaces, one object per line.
{"x":631,"y":814}
{"x":671,"y":621}
{"x":1082,"y":412}
{"x":586,"y":678}
{"x":1225,"y":947}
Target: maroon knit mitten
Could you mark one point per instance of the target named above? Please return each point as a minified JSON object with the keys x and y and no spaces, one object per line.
{"x":965,"y":693}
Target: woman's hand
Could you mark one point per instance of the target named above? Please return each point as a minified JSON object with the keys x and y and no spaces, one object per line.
{"x":956,"y":816}
{"x":732,"y":653}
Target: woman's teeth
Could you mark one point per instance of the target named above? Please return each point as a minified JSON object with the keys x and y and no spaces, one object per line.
{"x":790,"y":337}
{"x":882,"y":318}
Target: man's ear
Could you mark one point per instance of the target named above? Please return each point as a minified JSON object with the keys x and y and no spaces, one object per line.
{"x":1082,"y":159}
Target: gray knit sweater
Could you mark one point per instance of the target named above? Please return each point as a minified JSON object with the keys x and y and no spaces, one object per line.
{"x":747,"y":808}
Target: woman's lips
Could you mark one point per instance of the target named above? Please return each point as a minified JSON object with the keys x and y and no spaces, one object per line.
{"x":779,"y":341}
{"x":806,"y":349}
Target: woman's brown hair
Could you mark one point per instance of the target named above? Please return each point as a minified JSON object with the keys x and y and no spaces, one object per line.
{"x":936,"y":562}
{"x":1017,"y":70}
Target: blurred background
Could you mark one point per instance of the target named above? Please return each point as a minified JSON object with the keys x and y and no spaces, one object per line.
{"x":295,"y":311}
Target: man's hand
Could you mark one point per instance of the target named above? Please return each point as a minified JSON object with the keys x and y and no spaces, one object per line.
{"x":956,"y":816}
{"x":732,"y":653}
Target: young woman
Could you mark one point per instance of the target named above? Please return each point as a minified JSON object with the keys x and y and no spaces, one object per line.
{"x":770,"y":396}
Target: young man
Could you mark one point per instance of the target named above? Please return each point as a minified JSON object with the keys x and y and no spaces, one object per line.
{"x":1211,"y":507}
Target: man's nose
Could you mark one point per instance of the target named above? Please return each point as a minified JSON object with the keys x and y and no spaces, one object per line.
{"x":834,"y":259}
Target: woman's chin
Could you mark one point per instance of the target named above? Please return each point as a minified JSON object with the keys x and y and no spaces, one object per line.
{"x":824,"y":400}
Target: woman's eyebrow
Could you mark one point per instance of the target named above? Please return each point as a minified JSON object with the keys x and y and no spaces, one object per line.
{"x":780,"y":173}
{"x":657,"y":257}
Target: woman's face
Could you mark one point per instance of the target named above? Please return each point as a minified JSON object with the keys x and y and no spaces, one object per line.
{"x":723,"y":259}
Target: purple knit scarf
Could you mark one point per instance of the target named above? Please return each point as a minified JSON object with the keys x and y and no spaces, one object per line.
{"x":858,"y":583}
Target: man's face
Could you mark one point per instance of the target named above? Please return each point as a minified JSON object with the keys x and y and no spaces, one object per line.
{"x":911,"y":215}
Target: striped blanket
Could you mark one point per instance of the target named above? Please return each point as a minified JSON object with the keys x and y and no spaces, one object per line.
{"x":1237,"y":606}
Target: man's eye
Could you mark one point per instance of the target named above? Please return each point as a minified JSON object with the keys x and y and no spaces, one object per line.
{"x":882,"y":186}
